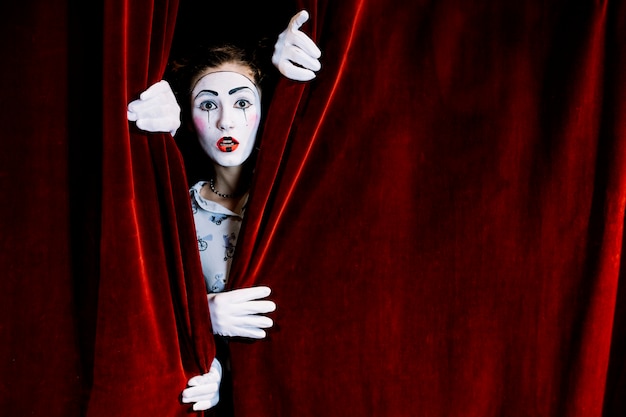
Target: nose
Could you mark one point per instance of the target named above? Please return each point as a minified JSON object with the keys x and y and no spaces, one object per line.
{"x":225,"y":122}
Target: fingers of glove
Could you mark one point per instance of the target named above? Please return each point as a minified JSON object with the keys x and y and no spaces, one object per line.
{"x":159,"y":94}
{"x":203,"y":390}
{"x":232,"y":311}
{"x":214,"y":375}
{"x":302,"y":41}
{"x":205,"y":405}
{"x":246,"y":326}
{"x":303,"y":59}
{"x":249,"y":332}
{"x":159,"y":125}
{"x":251,"y":320}
{"x":155,"y":107}
{"x":151,"y":107}
{"x":295,"y":73}
{"x":135,"y":108}
{"x":294,"y":45}
{"x":155,"y":116}
{"x":243,"y":331}
{"x":223,"y":308}
{"x":296,"y":63}
{"x":243,"y":326}
{"x":246,"y":294}
{"x":239,"y":325}
{"x":131,"y":115}
{"x":253,"y":307}
{"x":298,"y":20}
{"x":158,"y":89}
{"x":140,"y":108}
{"x":147,"y":99}
{"x":156,"y":121}
{"x":202,"y":400}
{"x":200,"y":392}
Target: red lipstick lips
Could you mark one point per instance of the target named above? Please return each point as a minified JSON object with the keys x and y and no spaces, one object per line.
{"x":227,"y":144}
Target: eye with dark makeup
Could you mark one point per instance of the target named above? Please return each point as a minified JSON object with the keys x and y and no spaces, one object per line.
{"x":242,"y":104}
{"x":207,"y":105}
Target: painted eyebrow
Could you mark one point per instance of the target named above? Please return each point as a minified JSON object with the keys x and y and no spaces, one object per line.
{"x":202,"y":92}
{"x":230,"y":92}
{"x":234,"y":90}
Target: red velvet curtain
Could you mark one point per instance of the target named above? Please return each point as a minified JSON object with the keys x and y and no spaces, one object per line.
{"x":104,"y":306}
{"x":148,"y":240}
{"x":440,"y":215}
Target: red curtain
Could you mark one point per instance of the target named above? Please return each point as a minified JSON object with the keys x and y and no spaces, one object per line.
{"x":104,"y":306}
{"x":440,"y":215}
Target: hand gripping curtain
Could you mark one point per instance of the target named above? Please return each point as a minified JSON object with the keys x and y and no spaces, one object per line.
{"x":440,"y":215}
{"x":153,"y":329}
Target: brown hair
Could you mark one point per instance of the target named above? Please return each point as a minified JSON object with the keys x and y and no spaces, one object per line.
{"x":182,"y":73}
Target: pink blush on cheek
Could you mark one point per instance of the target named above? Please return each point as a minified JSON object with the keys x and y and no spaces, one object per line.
{"x":199,"y":123}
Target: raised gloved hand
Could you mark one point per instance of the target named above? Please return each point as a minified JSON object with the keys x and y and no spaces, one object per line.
{"x":295,"y":55}
{"x":204,"y":390}
{"x":236,"y":312}
{"x":156,"y":110}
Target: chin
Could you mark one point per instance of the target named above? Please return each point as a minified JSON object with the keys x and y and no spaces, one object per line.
{"x":231,"y":163}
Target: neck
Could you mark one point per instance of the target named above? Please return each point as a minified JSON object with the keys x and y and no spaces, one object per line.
{"x":228,"y":182}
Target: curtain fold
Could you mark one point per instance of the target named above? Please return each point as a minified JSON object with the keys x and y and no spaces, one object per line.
{"x":104,"y":305}
{"x":441,"y":216}
{"x":149,"y":263}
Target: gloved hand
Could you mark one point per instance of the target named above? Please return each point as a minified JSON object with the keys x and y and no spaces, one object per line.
{"x":236,"y":312}
{"x":204,"y":390}
{"x":295,"y":55}
{"x":156,"y":110}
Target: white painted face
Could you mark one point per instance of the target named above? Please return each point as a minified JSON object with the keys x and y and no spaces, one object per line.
{"x":226,"y":112}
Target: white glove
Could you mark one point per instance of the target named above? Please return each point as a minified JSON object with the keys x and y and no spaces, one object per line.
{"x":295,"y":55}
{"x":156,"y":110}
{"x":236,"y":312}
{"x":204,"y":390}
